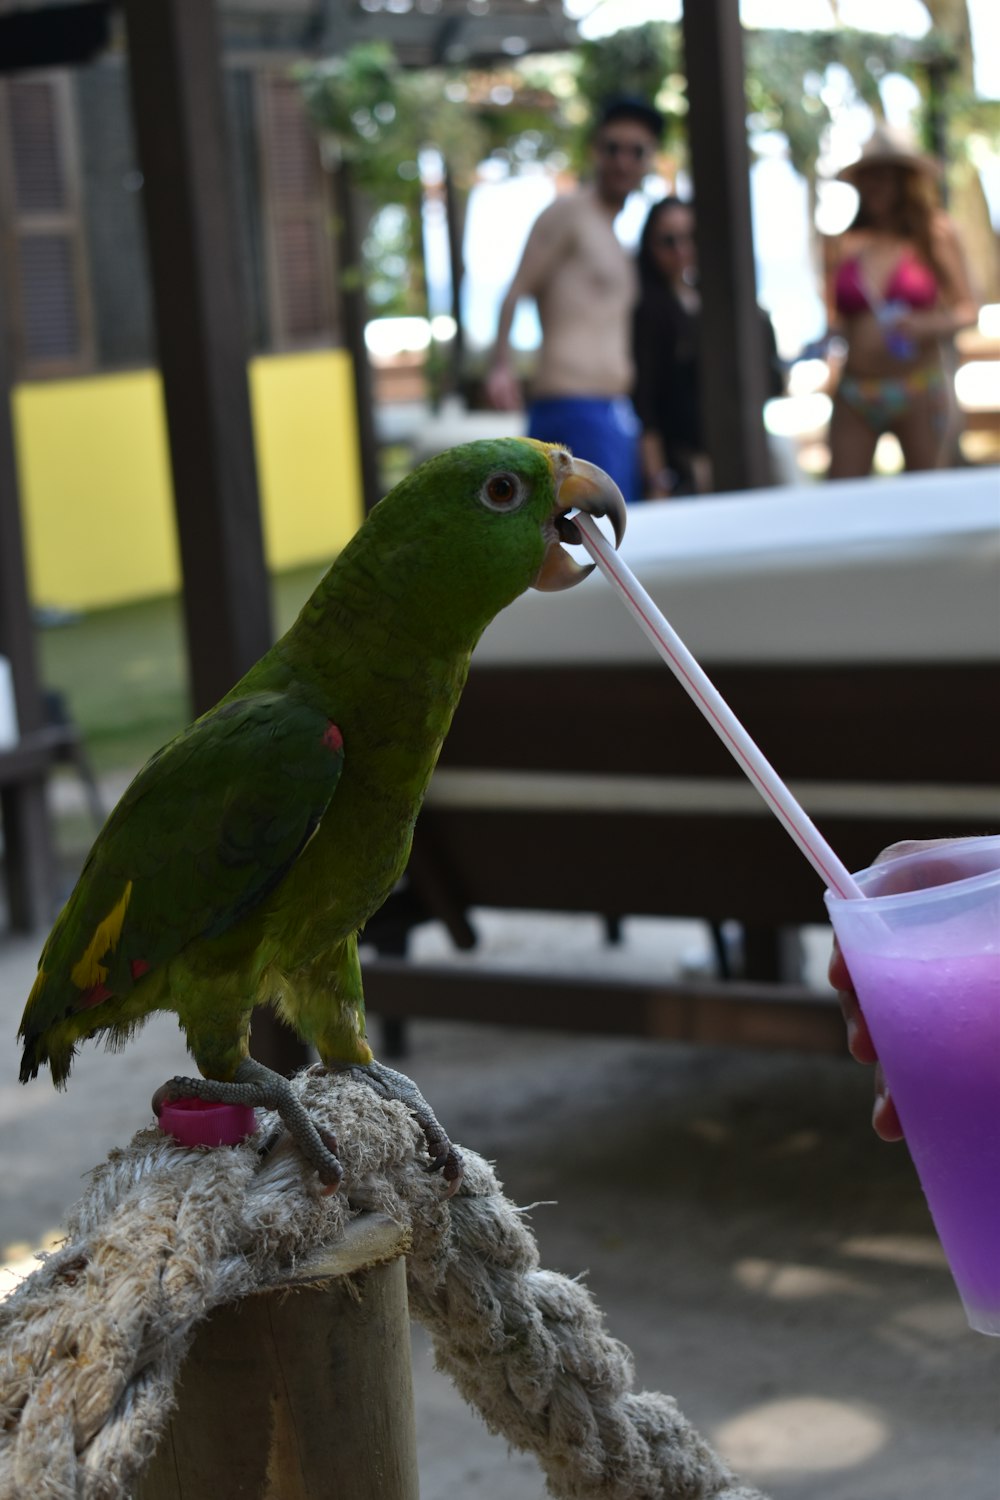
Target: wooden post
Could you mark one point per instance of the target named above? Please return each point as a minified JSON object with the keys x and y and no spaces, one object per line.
{"x":177,"y":104}
{"x":29,"y":859}
{"x":732,"y":359}
{"x":354,"y":312}
{"x":178,"y":107}
{"x":302,"y":1390}
{"x":455,"y":202}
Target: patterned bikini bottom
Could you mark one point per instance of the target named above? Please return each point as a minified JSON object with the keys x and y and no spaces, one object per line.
{"x":882,"y":400}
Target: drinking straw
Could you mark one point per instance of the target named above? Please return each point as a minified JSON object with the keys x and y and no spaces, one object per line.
{"x":789,"y":812}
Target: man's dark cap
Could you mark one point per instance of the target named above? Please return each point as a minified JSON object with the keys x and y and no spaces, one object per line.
{"x":630,"y":107}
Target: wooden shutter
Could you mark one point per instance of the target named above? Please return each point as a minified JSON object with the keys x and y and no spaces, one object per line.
{"x":40,"y":210}
{"x":294,"y":202}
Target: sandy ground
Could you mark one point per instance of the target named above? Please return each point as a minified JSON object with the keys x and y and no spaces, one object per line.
{"x":768,"y":1261}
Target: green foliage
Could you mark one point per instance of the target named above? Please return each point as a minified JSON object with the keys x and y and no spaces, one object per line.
{"x":971,"y":116}
{"x":787,"y":82}
{"x":378,"y":116}
{"x":354,"y":100}
{"x":788,"y":74}
{"x":646,"y":61}
{"x":527,"y":115}
{"x":787,"y":77}
{"x":390,"y":253}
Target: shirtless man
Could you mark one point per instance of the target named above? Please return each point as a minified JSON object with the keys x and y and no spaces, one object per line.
{"x":585,"y":285}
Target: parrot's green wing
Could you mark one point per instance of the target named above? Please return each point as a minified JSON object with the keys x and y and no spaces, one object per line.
{"x":208,"y":827}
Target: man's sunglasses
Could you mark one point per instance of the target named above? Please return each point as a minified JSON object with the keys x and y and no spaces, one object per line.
{"x":624,"y":148}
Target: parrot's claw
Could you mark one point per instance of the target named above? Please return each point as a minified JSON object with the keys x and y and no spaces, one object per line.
{"x":262,"y":1088}
{"x":388,"y":1084}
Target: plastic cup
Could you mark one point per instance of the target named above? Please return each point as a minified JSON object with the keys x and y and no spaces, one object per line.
{"x":924,"y":955}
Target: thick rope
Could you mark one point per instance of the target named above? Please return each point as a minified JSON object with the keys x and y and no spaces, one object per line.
{"x":91,"y":1343}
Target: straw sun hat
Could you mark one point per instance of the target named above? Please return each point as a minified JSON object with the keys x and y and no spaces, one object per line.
{"x":888,"y":147}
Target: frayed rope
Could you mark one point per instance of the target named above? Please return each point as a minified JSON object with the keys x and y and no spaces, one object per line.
{"x":92,"y":1342}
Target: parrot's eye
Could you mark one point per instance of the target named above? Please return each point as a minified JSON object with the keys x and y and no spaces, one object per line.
{"x":502,"y":492}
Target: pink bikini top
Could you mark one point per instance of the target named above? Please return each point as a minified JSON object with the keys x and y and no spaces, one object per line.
{"x":911,"y":282}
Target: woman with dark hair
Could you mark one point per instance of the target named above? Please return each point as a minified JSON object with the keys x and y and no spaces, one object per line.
{"x":665,"y":348}
{"x":666,"y":334}
{"x":898,"y":292}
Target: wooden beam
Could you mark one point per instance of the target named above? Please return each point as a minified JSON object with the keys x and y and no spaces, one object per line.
{"x":722,"y":1013}
{"x":178,"y":108}
{"x":29,"y":864}
{"x":802,"y":715}
{"x":732,"y":361}
{"x":17,"y":631}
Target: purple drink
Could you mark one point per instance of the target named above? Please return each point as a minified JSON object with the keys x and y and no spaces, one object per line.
{"x":945,"y":1080}
{"x":925,"y":962}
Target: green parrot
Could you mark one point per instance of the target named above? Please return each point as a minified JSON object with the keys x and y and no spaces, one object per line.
{"x":246,"y":855}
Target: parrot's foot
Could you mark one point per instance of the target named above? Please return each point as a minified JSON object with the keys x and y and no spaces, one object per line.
{"x":262,"y":1088}
{"x":389,"y":1084}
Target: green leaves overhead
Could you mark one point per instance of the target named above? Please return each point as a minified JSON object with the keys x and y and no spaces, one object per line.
{"x":647,"y":61}
{"x":378,"y":116}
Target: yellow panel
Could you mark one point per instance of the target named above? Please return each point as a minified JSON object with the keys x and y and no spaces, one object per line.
{"x":307,"y":454}
{"x":95,"y":476}
{"x":95,"y":486}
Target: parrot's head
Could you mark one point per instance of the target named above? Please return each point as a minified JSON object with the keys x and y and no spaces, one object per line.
{"x":476,"y":526}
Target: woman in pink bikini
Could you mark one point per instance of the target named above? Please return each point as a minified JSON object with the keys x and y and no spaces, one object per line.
{"x":898,"y":294}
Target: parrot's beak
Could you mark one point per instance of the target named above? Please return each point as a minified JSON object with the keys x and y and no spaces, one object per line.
{"x":579,"y":486}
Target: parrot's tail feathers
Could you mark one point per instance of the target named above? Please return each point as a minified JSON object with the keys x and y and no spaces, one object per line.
{"x":32,"y":1033}
{"x":30,"y":1063}
{"x":48,"y":1041}
{"x":39,"y":1051}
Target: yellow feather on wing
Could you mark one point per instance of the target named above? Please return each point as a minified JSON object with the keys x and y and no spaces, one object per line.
{"x":89,"y":970}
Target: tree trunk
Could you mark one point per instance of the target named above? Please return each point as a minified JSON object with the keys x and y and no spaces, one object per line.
{"x":968,"y":204}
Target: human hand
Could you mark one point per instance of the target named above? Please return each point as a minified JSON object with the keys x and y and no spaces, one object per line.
{"x":502,"y":388}
{"x":885,"y":1120}
{"x":922,"y":324}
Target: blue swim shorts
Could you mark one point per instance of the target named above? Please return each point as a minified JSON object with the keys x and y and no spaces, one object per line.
{"x":603,"y":431}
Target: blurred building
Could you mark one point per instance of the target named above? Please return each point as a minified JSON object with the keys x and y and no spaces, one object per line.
{"x":74,"y":277}
{"x":77,"y":279}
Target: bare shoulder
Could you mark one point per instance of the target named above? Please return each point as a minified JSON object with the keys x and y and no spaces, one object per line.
{"x":944,"y":231}
{"x":844,"y":246}
{"x":574,"y":202}
{"x":852,"y":242}
{"x":556,"y":221}
{"x":571,"y":209}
